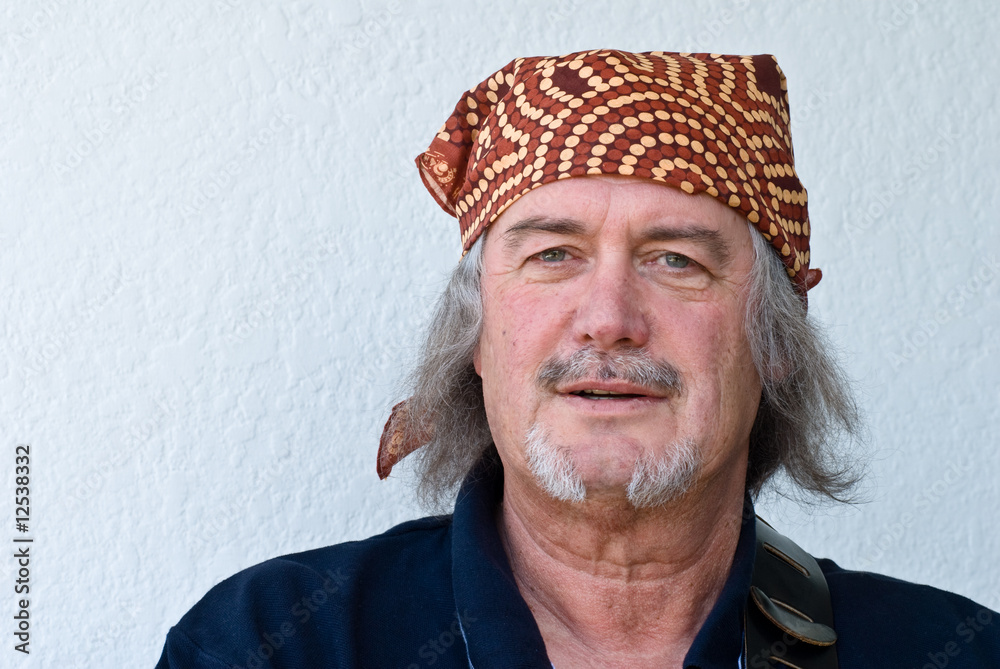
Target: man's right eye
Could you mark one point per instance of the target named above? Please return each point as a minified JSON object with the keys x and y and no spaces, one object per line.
{"x":552,"y":255}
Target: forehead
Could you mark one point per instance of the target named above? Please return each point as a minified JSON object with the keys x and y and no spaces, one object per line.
{"x":593,"y":202}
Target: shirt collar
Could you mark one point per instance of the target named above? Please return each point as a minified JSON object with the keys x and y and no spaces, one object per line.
{"x":719,"y":642}
{"x":500,"y":630}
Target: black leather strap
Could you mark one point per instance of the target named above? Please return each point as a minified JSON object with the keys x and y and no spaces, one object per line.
{"x":789,"y":618}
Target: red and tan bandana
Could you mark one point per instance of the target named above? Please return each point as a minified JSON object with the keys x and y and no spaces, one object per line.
{"x":699,"y":122}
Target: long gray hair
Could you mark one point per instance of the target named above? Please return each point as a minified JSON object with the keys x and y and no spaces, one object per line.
{"x":806,"y":407}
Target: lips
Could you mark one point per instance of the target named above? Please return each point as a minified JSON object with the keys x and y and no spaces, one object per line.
{"x":604,"y":390}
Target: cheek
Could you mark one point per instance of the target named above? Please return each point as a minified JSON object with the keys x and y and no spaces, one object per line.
{"x":497,"y":351}
{"x":500,"y":362}
{"x":699,"y":339}
{"x":711,"y":344}
{"x":517,"y":326}
{"x":738,"y":385}
{"x":521,"y":332}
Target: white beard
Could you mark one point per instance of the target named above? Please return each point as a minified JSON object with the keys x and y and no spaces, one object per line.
{"x":654,"y":482}
{"x":553,"y":468}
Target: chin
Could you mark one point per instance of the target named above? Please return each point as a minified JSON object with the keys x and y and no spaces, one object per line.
{"x":574,"y":474}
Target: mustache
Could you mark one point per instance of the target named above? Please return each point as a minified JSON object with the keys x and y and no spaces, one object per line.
{"x":633,"y":365}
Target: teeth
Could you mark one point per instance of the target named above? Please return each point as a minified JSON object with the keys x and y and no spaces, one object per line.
{"x":601,"y":394}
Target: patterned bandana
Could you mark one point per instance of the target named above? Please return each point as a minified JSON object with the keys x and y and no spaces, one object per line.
{"x":699,"y":122}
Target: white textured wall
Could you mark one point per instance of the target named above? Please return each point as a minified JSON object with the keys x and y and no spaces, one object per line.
{"x":216,"y":257}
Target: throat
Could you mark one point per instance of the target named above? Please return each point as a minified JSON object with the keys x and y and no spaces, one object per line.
{"x":632,"y":598}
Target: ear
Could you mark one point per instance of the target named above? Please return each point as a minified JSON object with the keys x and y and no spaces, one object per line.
{"x":477,"y":361}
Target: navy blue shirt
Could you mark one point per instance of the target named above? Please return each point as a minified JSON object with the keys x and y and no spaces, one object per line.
{"x":439,"y":592}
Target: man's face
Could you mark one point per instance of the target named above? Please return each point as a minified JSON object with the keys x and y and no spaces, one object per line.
{"x":633,"y":274}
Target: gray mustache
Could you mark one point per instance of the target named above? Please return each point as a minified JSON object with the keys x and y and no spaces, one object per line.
{"x":632,"y":365}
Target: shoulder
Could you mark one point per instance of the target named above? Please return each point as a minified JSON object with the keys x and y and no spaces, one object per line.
{"x":883,"y":621}
{"x":311,"y":608}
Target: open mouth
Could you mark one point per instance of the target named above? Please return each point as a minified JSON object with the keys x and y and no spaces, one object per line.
{"x":605,"y":395}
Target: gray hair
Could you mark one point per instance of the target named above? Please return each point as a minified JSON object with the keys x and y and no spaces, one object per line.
{"x":806,"y":405}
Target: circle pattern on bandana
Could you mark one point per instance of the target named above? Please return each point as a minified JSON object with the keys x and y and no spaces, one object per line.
{"x":699,"y":122}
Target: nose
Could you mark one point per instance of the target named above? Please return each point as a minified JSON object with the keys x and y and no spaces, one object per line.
{"x":611,"y":311}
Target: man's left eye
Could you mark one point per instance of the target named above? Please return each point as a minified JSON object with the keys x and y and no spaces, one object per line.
{"x":675,"y":260}
{"x":552,"y":255}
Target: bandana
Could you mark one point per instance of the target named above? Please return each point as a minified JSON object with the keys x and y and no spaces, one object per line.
{"x":699,"y":122}
{"x":703,"y":123}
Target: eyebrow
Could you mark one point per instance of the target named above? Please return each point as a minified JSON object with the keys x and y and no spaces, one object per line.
{"x":710,"y":239}
{"x":513,"y":235}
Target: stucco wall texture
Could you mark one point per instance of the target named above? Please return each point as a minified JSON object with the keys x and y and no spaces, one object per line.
{"x":216,"y":261}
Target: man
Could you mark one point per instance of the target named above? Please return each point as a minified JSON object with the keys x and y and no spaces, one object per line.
{"x":620,"y":363}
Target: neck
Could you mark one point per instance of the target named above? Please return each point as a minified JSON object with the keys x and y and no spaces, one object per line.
{"x":610,"y":585}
